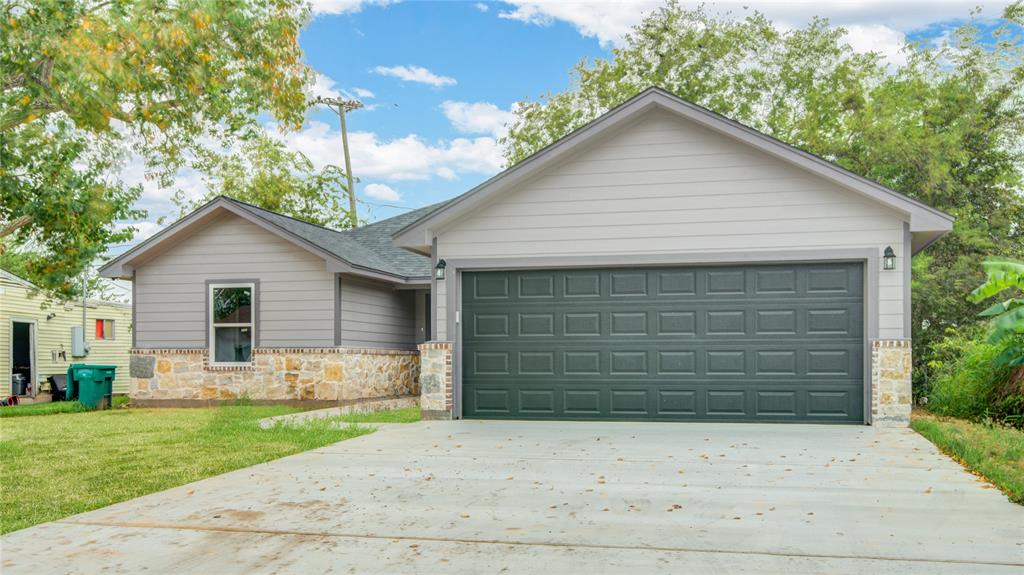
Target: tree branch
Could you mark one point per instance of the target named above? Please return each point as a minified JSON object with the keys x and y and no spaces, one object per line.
{"x":19,"y":222}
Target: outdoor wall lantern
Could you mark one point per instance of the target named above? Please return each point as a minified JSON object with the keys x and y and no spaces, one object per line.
{"x":439,"y":270}
{"x":889,"y":259}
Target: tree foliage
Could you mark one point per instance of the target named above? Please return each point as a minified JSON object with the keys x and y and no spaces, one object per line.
{"x":86,"y":82}
{"x":1007,"y":316}
{"x":263,"y":172}
{"x":945,"y":127}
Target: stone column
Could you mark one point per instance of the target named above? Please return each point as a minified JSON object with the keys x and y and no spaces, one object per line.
{"x":436,"y":379}
{"x":890,"y":382}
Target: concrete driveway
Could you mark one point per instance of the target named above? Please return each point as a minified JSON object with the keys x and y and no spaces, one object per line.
{"x":530,"y":497}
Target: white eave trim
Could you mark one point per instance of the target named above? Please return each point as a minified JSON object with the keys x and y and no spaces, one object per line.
{"x":922,"y":217}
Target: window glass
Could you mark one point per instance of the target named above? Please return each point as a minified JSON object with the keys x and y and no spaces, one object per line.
{"x":232,"y":305}
{"x":232,"y":344}
{"x":104,"y":329}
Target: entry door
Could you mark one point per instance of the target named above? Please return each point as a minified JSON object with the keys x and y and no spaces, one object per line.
{"x":726,"y":343}
{"x":23,"y":354}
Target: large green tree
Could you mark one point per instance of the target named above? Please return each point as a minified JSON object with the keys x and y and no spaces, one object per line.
{"x":83,"y":83}
{"x":945,"y":127}
{"x":265,"y":173}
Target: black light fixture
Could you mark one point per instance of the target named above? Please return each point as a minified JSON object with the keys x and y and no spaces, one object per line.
{"x":439,"y":270}
{"x":889,"y":259}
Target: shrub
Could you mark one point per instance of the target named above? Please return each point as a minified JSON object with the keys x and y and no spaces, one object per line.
{"x":970,"y":383}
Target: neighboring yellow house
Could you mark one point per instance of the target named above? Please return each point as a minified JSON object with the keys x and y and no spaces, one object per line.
{"x":35,"y":338}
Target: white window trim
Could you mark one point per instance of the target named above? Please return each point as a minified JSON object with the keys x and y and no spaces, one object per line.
{"x":251,"y":324}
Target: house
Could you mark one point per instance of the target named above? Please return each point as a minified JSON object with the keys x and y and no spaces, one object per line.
{"x":661,"y":262}
{"x":36,"y":336}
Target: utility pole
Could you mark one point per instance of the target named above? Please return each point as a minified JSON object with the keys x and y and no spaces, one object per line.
{"x":341,"y":106}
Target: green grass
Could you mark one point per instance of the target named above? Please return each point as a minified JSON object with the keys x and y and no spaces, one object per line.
{"x":406,"y":415}
{"x":51,"y":408}
{"x":990,"y":451}
{"x":58,"y":465}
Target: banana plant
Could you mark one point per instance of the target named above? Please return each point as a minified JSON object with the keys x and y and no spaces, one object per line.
{"x":1004,"y":275}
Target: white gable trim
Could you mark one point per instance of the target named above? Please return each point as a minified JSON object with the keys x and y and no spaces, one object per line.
{"x":122,"y":266}
{"x":922,"y":218}
{"x":17,"y":280}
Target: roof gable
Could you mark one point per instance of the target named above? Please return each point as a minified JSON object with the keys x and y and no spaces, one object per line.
{"x":922,"y":218}
{"x":359,"y":251}
{"x":12,"y":279}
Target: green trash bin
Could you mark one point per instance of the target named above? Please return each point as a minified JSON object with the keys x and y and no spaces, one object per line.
{"x":92,"y":385}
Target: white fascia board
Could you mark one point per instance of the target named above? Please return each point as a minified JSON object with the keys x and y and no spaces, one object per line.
{"x":921,"y":216}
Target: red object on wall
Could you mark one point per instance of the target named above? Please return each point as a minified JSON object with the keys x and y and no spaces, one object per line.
{"x":99,"y":329}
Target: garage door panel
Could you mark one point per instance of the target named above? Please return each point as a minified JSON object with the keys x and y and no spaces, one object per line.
{"x":537,"y":401}
{"x":809,"y":362}
{"x":666,"y":401}
{"x":763,"y":342}
{"x":828,"y":281}
{"x":810,"y":321}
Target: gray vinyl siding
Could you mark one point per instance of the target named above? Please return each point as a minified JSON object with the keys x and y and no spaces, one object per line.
{"x":296,"y":292}
{"x":376,"y":315}
{"x":664,"y":185}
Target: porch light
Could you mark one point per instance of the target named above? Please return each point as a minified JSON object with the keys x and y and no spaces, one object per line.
{"x":439,"y":270}
{"x":889,"y":259}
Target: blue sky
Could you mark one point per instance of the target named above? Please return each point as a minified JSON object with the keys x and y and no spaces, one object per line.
{"x":439,"y":79}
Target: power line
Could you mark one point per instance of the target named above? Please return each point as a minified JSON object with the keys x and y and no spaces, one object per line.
{"x":387,"y":205}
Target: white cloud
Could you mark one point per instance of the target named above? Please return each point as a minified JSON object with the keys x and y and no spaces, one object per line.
{"x":382,"y":192}
{"x":481,"y":6}
{"x":415,"y":74}
{"x":156,"y":199}
{"x":477,"y":117}
{"x":610,"y":21}
{"x":344,"y":6}
{"x":143,"y":229}
{"x":406,"y":158}
{"x":606,"y":21}
{"x":878,"y":38}
{"x":324,"y":87}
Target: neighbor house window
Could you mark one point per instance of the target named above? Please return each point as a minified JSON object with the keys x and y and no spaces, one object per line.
{"x":104,"y":329}
{"x":231,"y":323}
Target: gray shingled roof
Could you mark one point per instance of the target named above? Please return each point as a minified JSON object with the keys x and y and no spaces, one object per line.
{"x":367,"y":247}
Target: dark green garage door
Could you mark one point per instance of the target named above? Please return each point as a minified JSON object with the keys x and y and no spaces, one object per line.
{"x":750,"y":343}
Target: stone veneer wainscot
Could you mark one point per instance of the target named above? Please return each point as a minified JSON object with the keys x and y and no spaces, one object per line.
{"x":436,"y":379}
{"x":891,"y":394}
{"x":288,"y":374}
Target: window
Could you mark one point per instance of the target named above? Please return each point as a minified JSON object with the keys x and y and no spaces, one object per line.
{"x":231,"y":323}
{"x":105,"y":329}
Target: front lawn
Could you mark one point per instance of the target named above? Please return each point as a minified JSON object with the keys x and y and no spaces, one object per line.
{"x":53,"y":466}
{"x":993,"y":452}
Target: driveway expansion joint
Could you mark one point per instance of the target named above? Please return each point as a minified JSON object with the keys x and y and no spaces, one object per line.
{"x":428,"y":539}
